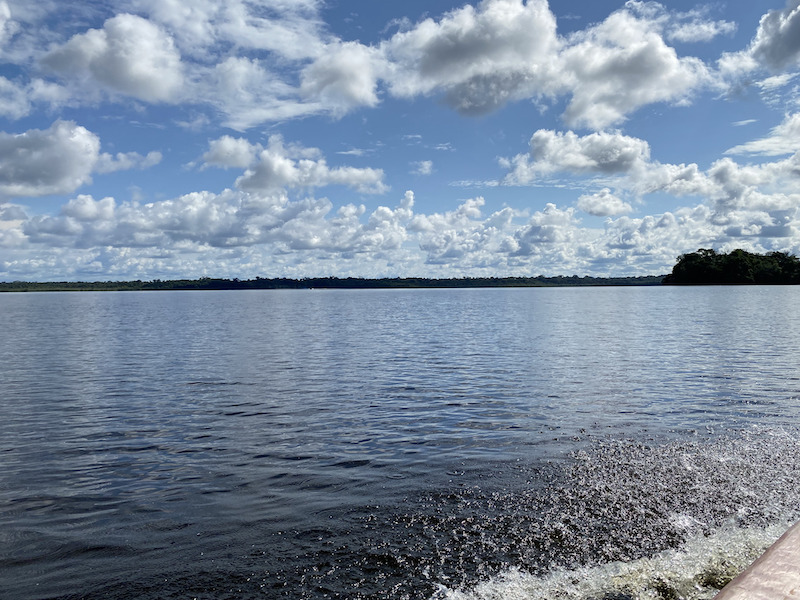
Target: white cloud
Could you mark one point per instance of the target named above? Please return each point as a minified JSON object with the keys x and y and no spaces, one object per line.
{"x":202,"y":221}
{"x":733,"y":67}
{"x":192,"y":24}
{"x":123,"y":161}
{"x":5,"y":21}
{"x":603,"y":204}
{"x":596,"y":153}
{"x":212,"y":234}
{"x":480,"y":57}
{"x":624,"y":162}
{"x":783,"y":139}
{"x":129,"y":55}
{"x":344,"y":77}
{"x":248,"y":94}
{"x":696,"y":26}
{"x":621,"y":65}
{"x":765,"y":187}
{"x":775,"y":47}
{"x":228,"y":151}
{"x":84,"y":208}
{"x":548,"y":229}
{"x":279,"y":167}
{"x":701,"y":31}
{"x":290,"y":28}
{"x":354,"y":152}
{"x":777,"y":42}
{"x":58,"y":160}
{"x":17,"y":100}
{"x":422,"y":167}
{"x":775,"y":82}
{"x":276,"y":60}
{"x":14,"y":99}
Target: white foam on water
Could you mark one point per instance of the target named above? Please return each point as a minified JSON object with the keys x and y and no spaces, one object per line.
{"x":619,"y":520}
{"x":695,"y":571}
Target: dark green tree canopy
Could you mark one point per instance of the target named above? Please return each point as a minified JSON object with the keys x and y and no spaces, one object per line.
{"x":738,"y":267}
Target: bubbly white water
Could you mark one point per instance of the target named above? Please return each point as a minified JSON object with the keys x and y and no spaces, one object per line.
{"x":695,"y":571}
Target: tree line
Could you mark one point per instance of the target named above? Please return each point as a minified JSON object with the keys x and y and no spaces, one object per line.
{"x":704,"y":267}
{"x":707,"y":267}
{"x":261,"y":283}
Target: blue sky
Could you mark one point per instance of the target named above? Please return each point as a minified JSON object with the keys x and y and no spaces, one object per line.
{"x":144,"y":139}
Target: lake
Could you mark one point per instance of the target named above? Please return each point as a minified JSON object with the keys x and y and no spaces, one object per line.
{"x":589,"y":443}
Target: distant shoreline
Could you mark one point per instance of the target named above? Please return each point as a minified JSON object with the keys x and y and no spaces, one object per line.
{"x":350,"y":283}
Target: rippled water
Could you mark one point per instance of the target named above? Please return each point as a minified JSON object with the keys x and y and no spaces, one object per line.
{"x":603,"y":443}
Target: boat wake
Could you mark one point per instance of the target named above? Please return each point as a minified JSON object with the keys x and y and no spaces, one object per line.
{"x":628,"y":520}
{"x":696,"y":571}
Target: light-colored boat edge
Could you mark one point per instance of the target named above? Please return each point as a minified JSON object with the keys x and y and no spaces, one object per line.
{"x":775,"y":575}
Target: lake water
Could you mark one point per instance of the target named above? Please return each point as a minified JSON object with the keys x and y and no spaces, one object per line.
{"x":586,"y":443}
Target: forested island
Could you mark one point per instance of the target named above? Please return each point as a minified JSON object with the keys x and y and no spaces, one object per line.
{"x":260,"y":283}
{"x":739,"y":267}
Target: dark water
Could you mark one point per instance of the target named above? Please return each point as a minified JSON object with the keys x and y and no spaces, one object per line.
{"x":603,"y":443}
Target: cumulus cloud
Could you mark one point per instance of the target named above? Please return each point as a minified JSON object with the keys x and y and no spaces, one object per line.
{"x":228,"y":151}
{"x":190,"y":234}
{"x":622,"y":64}
{"x":603,"y":204}
{"x":481,"y":57}
{"x":346,"y":76}
{"x":58,"y":160}
{"x":728,"y":187}
{"x":775,"y":47}
{"x":273,"y":60}
{"x":276,"y":60}
{"x":231,"y":219}
{"x":777,"y":42}
{"x":463,"y":236}
{"x":278,"y":166}
{"x":596,"y":153}
{"x":129,"y":55}
{"x":548,"y":229}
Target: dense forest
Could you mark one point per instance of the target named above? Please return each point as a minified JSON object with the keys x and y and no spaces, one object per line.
{"x":260,"y":283}
{"x":707,"y":267}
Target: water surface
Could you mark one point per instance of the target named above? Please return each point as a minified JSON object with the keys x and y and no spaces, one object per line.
{"x":391,"y":443}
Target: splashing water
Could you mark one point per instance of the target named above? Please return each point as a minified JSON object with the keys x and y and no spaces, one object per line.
{"x":661,"y":522}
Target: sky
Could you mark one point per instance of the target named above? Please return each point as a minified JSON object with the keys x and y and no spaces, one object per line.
{"x":167,"y":139}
